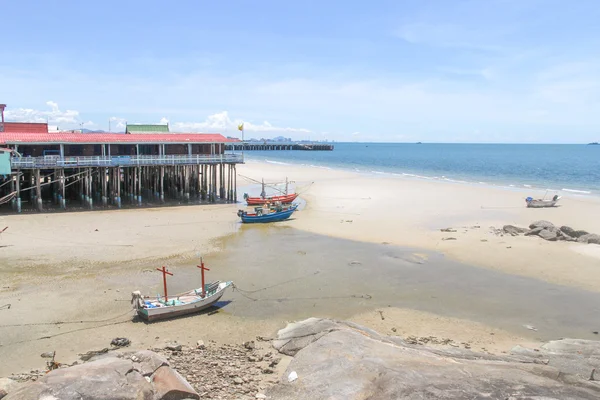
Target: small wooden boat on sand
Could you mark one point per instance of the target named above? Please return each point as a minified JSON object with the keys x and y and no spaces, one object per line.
{"x":266,"y":214}
{"x":189,"y":302}
{"x":541,"y":203}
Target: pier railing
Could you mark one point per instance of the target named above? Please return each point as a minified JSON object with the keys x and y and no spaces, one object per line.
{"x":122,"y":161}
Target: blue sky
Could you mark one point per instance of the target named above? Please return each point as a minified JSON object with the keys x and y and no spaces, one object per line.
{"x":437,"y":71}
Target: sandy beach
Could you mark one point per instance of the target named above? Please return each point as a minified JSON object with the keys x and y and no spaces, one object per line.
{"x":363,"y":247}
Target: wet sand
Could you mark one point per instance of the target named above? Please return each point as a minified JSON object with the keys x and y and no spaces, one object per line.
{"x":287,"y":274}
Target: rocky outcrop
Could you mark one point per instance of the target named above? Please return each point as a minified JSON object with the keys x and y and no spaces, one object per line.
{"x":137,"y":376}
{"x":542,"y":224}
{"x":239,"y":371}
{"x":547,"y":234}
{"x":548,"y":231}
{"x":589,"y":238}
{"x":339,"y":360}
{"x":513,"y":230}
{"x":6,"y":385}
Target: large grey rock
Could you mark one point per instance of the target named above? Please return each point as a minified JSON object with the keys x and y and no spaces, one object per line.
{"x":117,"y":376}
{"x":560,"y":235}
{"x":568,"y":230}
{"x":548,"y":235}
{"x":534,"y":232}
{"x":6,"y":386}
{"x":542,"y":224}
{"x":346,"y":361}
{"x":577,"y":234}
{"x":514,"y":230}
{"x":589,"y":238}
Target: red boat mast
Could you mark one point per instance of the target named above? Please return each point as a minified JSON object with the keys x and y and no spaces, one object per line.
{"x":165,"y":273}
{"x":203,"y":268}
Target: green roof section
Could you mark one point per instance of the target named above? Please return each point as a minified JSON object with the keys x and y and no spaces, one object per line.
{"x":143,"y":128}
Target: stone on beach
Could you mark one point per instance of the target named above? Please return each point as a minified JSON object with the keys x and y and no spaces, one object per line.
{"x":514,"y":230}
{"x":567,"y":230}
{"x":343,"y":360}
{"x":542,"y":224}
{"x":6,"y":386}
{"x":139,"y":376}
{"x":547,"y":234}
{"x":589,"y":238}
{"x":534,"y":232}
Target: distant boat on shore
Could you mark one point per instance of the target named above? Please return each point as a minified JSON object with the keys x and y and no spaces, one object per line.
{"x":594,"y":144}
{"x":541,"y":203}
{"x":284,"y":198}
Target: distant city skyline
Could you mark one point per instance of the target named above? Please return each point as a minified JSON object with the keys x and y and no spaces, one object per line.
{"x":497,"y":71}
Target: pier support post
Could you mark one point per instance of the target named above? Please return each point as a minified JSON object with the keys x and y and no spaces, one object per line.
{"x":139,"y":185}
{"x":162,"y":184}
{"x":63,"y":183}
{"x":104,"y":176}
{"x":235,"y":198}
{"x":38,"y":190}
{"x":18,"y":189}
{"x":118,"y":181}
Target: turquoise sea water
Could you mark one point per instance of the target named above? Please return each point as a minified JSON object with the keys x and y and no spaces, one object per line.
{"x":572,"y":168}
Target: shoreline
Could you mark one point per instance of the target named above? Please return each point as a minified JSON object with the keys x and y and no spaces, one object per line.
{"x":525,"y":188}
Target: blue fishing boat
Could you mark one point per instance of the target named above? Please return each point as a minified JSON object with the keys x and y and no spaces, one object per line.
{"x":265,"y":214}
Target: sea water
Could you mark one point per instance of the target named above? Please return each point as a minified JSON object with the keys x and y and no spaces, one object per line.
{"x":563,"y":167}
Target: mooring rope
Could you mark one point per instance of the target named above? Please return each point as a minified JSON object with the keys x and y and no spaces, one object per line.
{"x":352,"y":296}
{"x":247,"y":293}
{"x":64,"y":322}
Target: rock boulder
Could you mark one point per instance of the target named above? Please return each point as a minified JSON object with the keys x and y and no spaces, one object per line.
{"x":580,"y":233}
{"x":124,"y":376}
{"x":338,"y":360}
{"x":534,"y":232}
{"x":568,"y":230}
{"x":589,"y":238}
{"x":514,"y":230}
{"x":6,"y":386}
{"x":542,"y":224}
{"x":548,"y":235}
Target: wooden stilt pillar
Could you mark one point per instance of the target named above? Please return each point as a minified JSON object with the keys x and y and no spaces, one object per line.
{"x":38,"y":190}
{"x":162,"y":184}
{"x":139,"y":188}
{"x":235,"y":183}
{"x":118,"y":183}
{"x":90,"y":194}
{"x":63,"y":201}
{"x":103,"y":177}
{"x":18,"y":190}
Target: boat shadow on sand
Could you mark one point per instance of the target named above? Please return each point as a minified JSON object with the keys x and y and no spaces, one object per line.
{"x":212,"y":310}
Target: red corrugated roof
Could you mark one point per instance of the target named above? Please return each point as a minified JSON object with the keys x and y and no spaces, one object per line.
{"x":103,"y":138}
{"x":29,"y":127}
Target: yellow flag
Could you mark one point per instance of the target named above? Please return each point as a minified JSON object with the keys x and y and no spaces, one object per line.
{"x":241,"y":127}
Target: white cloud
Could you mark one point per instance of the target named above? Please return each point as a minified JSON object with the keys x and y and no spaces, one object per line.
{"x":54,"y":115}
{"x":163,"y":121}
{"x":121,"y":122}
{"x":88,"y":124}
{"x":222,"y":122}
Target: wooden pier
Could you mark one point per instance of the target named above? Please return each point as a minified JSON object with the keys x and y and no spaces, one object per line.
{"x":149,"y":172}
{"x":279,"y":146}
